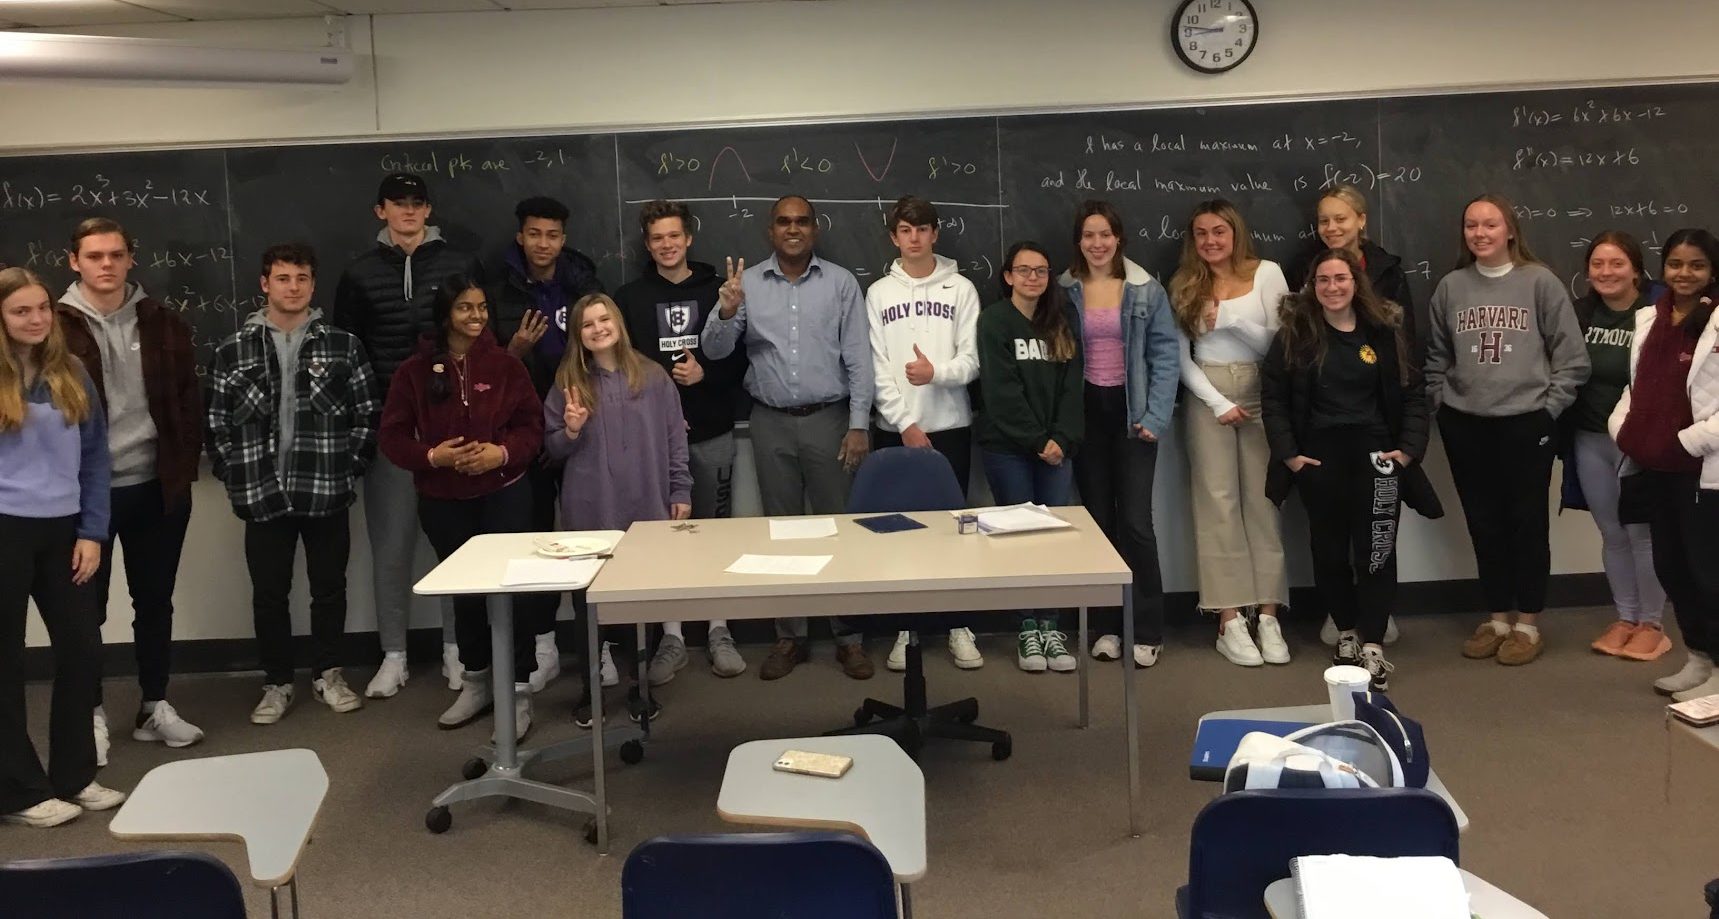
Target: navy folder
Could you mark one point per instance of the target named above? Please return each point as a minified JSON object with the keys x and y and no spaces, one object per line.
{"x":1218,"y":738}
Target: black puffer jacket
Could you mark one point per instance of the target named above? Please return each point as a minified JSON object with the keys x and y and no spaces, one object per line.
{"x":384,"y":296}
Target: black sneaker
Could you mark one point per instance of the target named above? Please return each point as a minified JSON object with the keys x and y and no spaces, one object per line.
{"x":636,"y":709}
{"x":1379,"y":669}
{"x":582,"y":713}
{"x":1348,"y":651}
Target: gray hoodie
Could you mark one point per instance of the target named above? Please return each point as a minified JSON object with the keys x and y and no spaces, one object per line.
{"x":287,"y":345}
{"x":131,"y":433}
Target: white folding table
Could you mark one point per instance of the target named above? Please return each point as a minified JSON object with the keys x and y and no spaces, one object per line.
{"x":498,"y":770}
{"x":665,"y":571}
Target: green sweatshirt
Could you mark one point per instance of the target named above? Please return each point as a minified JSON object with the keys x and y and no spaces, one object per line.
{"x":1028,"y":399}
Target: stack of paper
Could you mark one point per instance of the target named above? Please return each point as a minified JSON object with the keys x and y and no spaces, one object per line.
{"x":1363,"y":887}
{"x":569,"y":573}
{"x":804,"y":565}
{"x":1019,"y":518}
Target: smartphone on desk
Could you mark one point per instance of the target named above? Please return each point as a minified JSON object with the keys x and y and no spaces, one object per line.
{"x":823,"y":765}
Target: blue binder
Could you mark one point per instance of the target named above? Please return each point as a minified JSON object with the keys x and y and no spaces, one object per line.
{"x":1218,"y":738}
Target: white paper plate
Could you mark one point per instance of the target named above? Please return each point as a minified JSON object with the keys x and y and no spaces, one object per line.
{"x":570,"y":546}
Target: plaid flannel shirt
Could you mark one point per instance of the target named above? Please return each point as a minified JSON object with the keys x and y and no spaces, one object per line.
{"x":338,"y":412}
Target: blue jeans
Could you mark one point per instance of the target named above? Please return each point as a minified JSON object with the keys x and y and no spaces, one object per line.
{"x":1015,"y":478}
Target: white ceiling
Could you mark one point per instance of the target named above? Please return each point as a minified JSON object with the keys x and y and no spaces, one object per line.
{"x":59,"y":13}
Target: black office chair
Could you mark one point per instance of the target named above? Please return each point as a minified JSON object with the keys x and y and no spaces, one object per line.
{"x":894,"y":480}
{"x":132,"y":885}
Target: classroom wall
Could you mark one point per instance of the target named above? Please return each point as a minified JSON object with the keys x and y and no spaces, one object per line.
{"x":528,"y":70}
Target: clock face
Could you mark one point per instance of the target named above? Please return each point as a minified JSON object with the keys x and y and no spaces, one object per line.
{"x":1213,"y":36}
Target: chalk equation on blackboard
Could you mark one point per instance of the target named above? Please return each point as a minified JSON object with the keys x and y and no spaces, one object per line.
{"x":1590,"y":111}
{"x":101,"y":192}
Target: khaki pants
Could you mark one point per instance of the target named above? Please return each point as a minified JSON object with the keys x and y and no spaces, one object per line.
{"x":1236,"y":526}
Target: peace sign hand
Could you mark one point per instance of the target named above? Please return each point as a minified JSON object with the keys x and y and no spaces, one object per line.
{"x":732,"y":293}
{"x":574,"y":416}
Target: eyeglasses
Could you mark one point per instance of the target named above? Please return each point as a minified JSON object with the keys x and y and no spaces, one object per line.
{"x":1026,"y":271}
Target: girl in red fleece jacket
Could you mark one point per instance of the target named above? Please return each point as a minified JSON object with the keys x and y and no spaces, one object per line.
{"x":463,"y":418}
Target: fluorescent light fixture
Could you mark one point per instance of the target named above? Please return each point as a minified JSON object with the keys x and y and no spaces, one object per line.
{"x":41,"y":55}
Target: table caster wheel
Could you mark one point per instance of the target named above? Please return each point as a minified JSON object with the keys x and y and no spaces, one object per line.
{"x":473,"y":768}
{"x":632,"y":753}
{"x":1001,"y":749}
{"x":438,"y":820}
{"x":861,"y":717}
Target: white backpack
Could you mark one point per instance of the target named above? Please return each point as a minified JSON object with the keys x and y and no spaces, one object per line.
{"x":1342,"y":754}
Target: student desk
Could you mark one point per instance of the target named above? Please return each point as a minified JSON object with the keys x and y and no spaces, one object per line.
{"x":1319,"y":714}
{"x":665,"y":571}
{"x":269,"y":801}
{"x":478,"y":568}
{"x":882,"y":797}
{"x":1485,"y":900}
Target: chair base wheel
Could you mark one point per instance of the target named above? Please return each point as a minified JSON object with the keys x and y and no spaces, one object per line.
{"x":632,"y":753}
{"x":861,"y":717}
{"x":438,"y":820}
{"x":473,"y":768}
{"x":1002,"y":749}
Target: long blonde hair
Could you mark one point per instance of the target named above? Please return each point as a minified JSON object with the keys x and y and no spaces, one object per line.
{"x":55,"y":363}
{"x":1193,"y":285}
{"x":576,"y":365}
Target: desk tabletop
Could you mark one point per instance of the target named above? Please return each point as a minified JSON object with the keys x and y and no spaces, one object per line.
{"x":662,"y":562}
{"x":882,"y":797}
{"x":1484,"y":900}
{"x":478,"y":566}
{"x":269,"y":801}
{"x":1319,"y":714}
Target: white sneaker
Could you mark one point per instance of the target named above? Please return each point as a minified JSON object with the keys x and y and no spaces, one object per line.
{"x":1235,"y":644}
{"x":1378,"y":669}
{"x":1329,"y":633}
{"x":1147,"y":655}
{"x":96,"y":798}
{"x":1107,"y":648}
{"x":276,"y":701}
{"x":897,"y":659}
{"x":1698,"y":692}
{"x":548,"y":663}
{"x":521,"y":713}
{"x":331,"y":690}
{"x":1697,"y":670}
{"x":475,"y":698}
{"x":102,"y":743}
{"x":165,"y":725}
{"x":51,"y":812}
{"x":451,"y":666}
{"x":964,"y":650}
{"x":1056,"y":651}
{"x":610,"y":676}
{"x":1391,"y":634}
{"x":389,"y":678}
{"x":1272,"y":647}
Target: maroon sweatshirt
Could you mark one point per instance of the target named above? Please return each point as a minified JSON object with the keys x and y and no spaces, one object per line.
{"x":489,"y":398}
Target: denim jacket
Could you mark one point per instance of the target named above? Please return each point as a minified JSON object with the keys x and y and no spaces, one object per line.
{"x":1150,"y":342}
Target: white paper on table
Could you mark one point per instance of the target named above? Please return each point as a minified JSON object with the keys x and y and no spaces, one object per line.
{"x":1020,"y":519}
{"x":1359,"y":886}
{"x":803,"y":528}
{"x":550,"y":571}
{"x":779,"y":564}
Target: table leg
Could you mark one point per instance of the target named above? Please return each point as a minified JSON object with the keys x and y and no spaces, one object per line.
{"x":643,"y":667}
{"x":906,"y":901}
{"x":291,"y":887}
{"x":1129,"y":714}
{"x":1080,"y":664}
{"x":501,"y":679}
{"x":593,"y":675}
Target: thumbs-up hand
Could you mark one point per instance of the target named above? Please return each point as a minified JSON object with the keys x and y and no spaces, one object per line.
{"x":574,"y":416}
{"x":919,"y":369}
{"x":687,"y":369}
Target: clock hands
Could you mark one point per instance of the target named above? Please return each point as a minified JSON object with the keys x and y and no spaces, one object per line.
{"x":1200,"y":30}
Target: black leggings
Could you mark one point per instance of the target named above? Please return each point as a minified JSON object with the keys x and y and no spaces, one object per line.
{"x":1114,"y":472}
{"x":1685,"y":526}
{"x":1502,"y":468}
{"x":449,"y":524}
{"x":38,"y":564}
{"x":1353,"y":507}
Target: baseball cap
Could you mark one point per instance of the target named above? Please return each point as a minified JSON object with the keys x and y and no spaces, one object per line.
{"x":400,"y":185}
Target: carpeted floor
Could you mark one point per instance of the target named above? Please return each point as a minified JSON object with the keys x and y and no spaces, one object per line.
{"x":1561,"y":766}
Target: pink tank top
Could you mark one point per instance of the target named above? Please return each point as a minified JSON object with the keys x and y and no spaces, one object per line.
{"x":1101,"y":331}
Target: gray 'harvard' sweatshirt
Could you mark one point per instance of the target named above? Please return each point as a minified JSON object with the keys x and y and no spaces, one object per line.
{"x":1503,"y":345}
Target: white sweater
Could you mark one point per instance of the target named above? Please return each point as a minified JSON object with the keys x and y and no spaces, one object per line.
{"x":940,"y":315}
{"x":1246,"y":326}
{"x":1701,"y":438}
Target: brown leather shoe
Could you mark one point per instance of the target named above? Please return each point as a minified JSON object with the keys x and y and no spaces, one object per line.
{"x":854,"y":661}
{"x":1484,"y":642}
{"x":1519,"y":649}
{"x":785,"y":655}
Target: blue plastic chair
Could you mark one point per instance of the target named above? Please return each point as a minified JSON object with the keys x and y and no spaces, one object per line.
{"x":1243,"y":840}
{"x":134,"y":885}
{"x":817,"y":875}
{"x":894,"y":480}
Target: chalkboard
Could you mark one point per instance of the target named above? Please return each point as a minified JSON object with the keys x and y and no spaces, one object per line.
{"x":1575,"y":162}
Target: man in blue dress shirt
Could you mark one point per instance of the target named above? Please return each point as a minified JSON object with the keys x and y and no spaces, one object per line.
{"x":803,"y":323}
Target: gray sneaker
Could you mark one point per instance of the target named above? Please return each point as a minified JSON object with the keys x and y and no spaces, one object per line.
{"x":725,"y":659}
{"x":670,"y":657}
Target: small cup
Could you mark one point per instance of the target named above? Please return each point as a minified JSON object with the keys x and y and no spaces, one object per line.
{"x":1341,"y":684}
{"x":967,"y":524}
